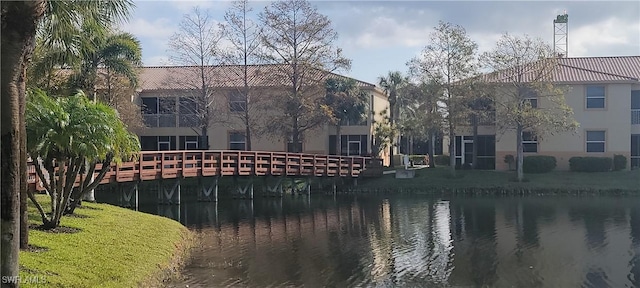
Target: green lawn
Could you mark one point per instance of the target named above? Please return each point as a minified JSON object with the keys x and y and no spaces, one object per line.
{"x":438,"y":179}
{"x":116,"y":247}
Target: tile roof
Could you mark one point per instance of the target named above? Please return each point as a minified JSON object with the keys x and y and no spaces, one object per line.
{"x":595,"y":69}
{"x":181,"y":77}
{"x":586,"y":69}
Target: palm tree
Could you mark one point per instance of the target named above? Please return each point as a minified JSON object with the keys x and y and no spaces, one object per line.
{"x":115,"y":53}
{"x":391,"y":84}
{"x":20,"y":21}
{"x":345,"y":102}
{"x":65,"y":133}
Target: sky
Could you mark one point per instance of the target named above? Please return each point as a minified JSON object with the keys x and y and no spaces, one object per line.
{"x":382,"y":36}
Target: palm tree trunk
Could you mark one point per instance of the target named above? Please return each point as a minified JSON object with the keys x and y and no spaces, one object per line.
{"x":392,"y":139}
{"x":24,"y":215}
{"x":19,"y":22}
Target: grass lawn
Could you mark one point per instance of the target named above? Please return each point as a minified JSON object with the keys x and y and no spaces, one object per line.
{"x":115,"y":247}
{"x":438,"y":178}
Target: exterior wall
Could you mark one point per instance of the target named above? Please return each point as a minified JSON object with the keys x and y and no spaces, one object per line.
{"x":315,"y":141}
{"x":614,"y":119}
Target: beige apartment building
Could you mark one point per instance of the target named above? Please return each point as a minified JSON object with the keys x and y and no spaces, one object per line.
{"x":165,"y":95}
{"x":604,"y":93}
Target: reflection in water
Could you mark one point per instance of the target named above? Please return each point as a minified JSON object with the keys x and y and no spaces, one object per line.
{"x":427,"y":242}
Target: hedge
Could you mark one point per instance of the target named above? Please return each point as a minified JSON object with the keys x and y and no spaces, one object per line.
{"x":538,"y":164}
{"x":441,"y":160}
{"x":619,"y":162}
{"x":590,"y":164}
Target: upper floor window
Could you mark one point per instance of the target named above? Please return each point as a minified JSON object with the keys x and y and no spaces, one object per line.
{"x":188,"y":113}
{"x":529,"y":95}
{"x":595,"y":97}
{"x":237,"y":102}
{"x":635,"y":106}
{"x":159,"y":111}
{"x":354,"y":122}
{"x":237,"y":141}
{"x":291,"y":147}
{"x":529,"y":142}
{"x":596,"y":141}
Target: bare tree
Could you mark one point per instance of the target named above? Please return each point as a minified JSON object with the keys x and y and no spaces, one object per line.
{"x":299,"y":41}
{"x":117,"y":92}
{"x":450,"y":60}
{"x":244,"y":35}
{"x":525,"y":96}
{"x":196,"y":45}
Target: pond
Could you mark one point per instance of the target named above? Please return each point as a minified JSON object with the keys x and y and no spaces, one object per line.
{"x":347,"y":241}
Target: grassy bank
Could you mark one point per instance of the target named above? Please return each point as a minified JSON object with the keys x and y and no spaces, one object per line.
{"x":111,"y":247}
{"x":438,"y":179}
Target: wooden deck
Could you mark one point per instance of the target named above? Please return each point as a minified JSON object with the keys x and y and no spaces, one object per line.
{"x":174,"y":164}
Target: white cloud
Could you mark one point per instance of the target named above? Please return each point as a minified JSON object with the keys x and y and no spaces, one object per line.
{"x":604,"y":36}
{"x":157,"y":29}
{"x":383,"y":32}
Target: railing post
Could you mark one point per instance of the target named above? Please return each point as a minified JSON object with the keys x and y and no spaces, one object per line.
{"x":161,"y":164}
{"x":300,"y":164}
{"x":350,"y":166}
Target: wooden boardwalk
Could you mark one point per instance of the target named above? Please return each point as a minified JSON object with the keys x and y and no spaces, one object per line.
{"x":155,"y":165}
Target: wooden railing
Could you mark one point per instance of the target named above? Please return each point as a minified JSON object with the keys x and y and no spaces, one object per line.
{"x":172,"y":164}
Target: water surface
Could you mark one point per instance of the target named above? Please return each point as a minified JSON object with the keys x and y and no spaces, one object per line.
{"x":349,"y":241}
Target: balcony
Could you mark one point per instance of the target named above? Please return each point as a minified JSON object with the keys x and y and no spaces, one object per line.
{"x":487,"y":119}
{"x":159,"y":120}
{"x":635,"y":116}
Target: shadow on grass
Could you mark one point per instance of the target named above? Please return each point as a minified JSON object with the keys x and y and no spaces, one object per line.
{"x":59,"y":229}
{"x":35,"y":249}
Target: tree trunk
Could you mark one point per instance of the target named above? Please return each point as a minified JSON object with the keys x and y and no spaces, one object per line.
{"x":392,"y":139}
{"x":474,"y":158}
{"x":452,"y":152}
{"x":295,"y":136}
{"x":24,"y":215}
{"x":338,"y":140}
{"x":247,"y":132}
{"x":19,"y":22}
{"x":432,"y":150}
{"x":204,"y":138}
{"x":519,"y":153}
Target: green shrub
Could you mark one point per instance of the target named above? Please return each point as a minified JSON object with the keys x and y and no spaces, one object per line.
{"x":619,"y":162}
{"x":538,"y":164}
{"x":590,"y":164}
{"x":441,"y":160}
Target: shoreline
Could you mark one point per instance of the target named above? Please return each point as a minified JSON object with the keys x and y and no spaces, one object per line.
{"x":110,"y":246}
{"x":483,"y":182}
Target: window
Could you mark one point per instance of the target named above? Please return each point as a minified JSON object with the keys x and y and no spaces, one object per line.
{"x":595,"y":141}
{"x":532,"y":101}
{"x":350,"y":122}
{"x":529,"y":142}
{"x":149,"y":105}
{"x":595,"y":97}
{"x":635,"y":151}
{"x":159,"y":111}
{"x":290,"y":145}
{"x":189,"y":142}
{"x":188,"y":113}
{"x":157,"y":143}
{"x":237,"y":141}
{"x":237,"y":102}
{"x":529,"y":95}
{"x":635,"y":107}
